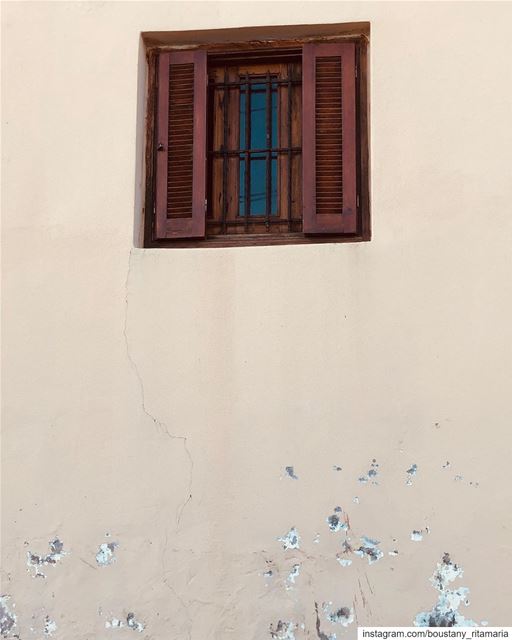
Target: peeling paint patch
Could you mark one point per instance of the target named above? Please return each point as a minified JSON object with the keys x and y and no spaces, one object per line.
{"x":393,"y":553}
{"x":291,"y":473}
{"x":411,"y":472}
{"x":343,"y":615}
{"x":371,"y":474}
{"x":416,"y":536}
{"x":336,"y":523}
{"x":283,"y":630}
{"x":335,"y":467}
{"x":131,"y":622}
{"x":106,"y":553}
{"x":446,"y":465}
{"x":345,"y":562}
{"x":7,"y":617}
{"x":369,"y":548}
{"x":50,"y":626}
{"x":316,"y":539}
{"x":291,"y":539}
{"x":445,"y":612}
{"x":35,"y":561}
{"x":292,"y":576}
{"x":355,"y":500}
{"x":458,"y":478}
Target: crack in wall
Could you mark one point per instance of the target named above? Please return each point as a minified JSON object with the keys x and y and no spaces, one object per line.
{"x":161,"y":426}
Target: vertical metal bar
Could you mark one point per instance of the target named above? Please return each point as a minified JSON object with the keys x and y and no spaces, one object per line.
{"x":268,"y":160}
{"x":224,"y":154}
{"x":289,"y":194}
{"x":247,"y":147}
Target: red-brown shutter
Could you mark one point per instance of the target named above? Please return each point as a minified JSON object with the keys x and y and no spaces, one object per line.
{"x":329,"y":138}
{"x":181,"y":145}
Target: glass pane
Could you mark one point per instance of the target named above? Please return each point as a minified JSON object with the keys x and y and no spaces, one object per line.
{"x":257,"y":97}
{"x":241,"y":204}
{"x":274,"y":115}
{"x":258,"y":185}
{"x":273,"y":188}
{"x":242,"y":116}
{"x":258,"y":116}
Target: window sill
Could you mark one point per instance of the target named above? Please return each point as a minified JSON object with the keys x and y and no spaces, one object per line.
{"x":256,"y":240}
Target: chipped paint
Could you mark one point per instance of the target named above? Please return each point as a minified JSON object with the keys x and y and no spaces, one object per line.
{"x":291,"y":539}
{"x":316,"y":539}
{"x":416,"y":536}
{"x":291,"y":473}
{"x":343,"y":616}
{"x":106,"y":553}
{"x":411,"y":472}
{"x":292,"y":576}
{"x":446,"y":465}
{"x":336,"y":523}
{"x":50,"y":626}
{"x":445,"y":612}
{"x":393,"y":553}
{"x":458,"y":478}
{"x":355,"y":500}
{"x":345,"y":562}
{"x":35,"y":561}
{"x":335,"y":467}
{"x":7,"y":617}
{"x":283,"y":630}
{"x":371,"y":474}
{"x":131,"y":622}
{"x":370,"y":549}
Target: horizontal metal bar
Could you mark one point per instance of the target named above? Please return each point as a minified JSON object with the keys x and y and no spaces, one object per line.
{"x":239,"y":152}
{"x":261,"y":219}
{"x":252,"y":80}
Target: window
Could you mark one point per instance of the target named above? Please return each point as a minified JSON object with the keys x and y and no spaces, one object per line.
{"x":258,"y":144}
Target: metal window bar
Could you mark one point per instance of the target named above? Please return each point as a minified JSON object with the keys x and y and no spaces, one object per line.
{"x":268,"y":160}
{"x":225,"y":98}
{"x":245,"y":87}
{"x":247,"y":156}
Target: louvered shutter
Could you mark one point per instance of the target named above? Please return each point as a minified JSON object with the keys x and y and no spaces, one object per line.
{"x":181,"y":145}
{"x":329,"y":138}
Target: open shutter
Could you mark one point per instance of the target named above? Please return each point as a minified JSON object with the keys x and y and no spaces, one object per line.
{"x":181,"y":145}
{"x":329,"y":138}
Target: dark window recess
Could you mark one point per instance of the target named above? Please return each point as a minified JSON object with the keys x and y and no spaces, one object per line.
{"x":260,"y":146}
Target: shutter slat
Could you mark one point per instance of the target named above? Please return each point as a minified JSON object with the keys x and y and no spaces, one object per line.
{"x":181,"y":165}
{"x":329,"y":138}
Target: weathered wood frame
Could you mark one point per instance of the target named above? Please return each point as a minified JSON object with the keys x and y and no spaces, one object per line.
{"x":363,"y":232}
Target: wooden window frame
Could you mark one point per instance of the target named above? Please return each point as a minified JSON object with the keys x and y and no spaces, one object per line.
{"x":363,"y":233}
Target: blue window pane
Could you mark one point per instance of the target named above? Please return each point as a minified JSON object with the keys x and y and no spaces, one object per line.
{"x":258,"y":140}
{"x":258,"y":185}
{"x":274,"y":115}
{"x":241,"y":205}
{"x":258,"y":117}
{"x":273,"y":188}
{"x":242,"y":119}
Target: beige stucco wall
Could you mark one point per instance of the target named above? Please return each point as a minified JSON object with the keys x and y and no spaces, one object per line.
{"x":158,"y":395}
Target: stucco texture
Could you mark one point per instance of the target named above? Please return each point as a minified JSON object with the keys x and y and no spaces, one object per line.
{"x":157,"y":396}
